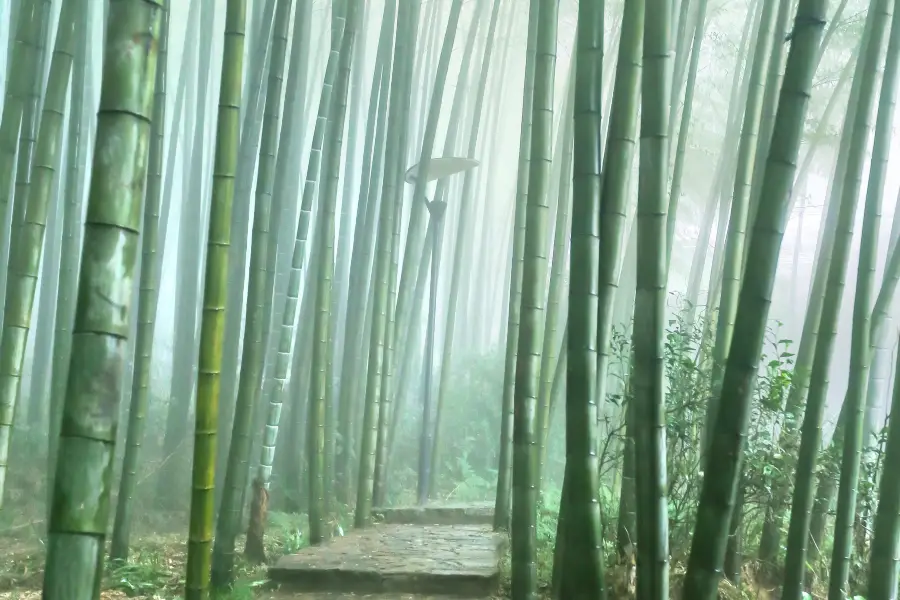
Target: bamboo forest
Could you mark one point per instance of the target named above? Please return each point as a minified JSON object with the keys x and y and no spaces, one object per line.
{"x":436,"y":299}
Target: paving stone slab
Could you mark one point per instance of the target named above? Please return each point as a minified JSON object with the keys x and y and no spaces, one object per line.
{"x":443,"y":560}
{"x":289,"y":595}
{"x":472,"y":513}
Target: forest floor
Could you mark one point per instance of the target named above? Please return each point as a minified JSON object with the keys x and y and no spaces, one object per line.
{"x":156,"y":566}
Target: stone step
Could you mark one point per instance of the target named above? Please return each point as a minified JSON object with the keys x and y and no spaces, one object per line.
{"x":447,"y":561}
{"x":474,"y":513}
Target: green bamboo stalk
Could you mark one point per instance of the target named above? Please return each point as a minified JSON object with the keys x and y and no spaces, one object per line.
{"x":148,"y":299}
{"x":534,"y":277}
{"x":415,"y":237}
{"x":684,"y":128}
{"x":462,"y":233}
{"x":722,"y":476}
{"x":22,"y":73}
{"x":883,"y":561}
{"x":503,"y":501}
{"x":582,"y":572}
{"x":360,"y":259}
{"x":72,"y":217}
{"x":857,"y":127}
{"x":735,"y":240}
{"x":19,"y":108}
{"x":320,"y":390}
{"x":650,"y":307}
{"x":397,"y":120}
{"x":202,"y":516}
{"x":560,"y":255}
{"x":78,"y":518}
{"x":862,"y":333}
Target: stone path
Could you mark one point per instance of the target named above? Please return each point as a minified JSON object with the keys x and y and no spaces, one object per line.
{"x":399,"y":560}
